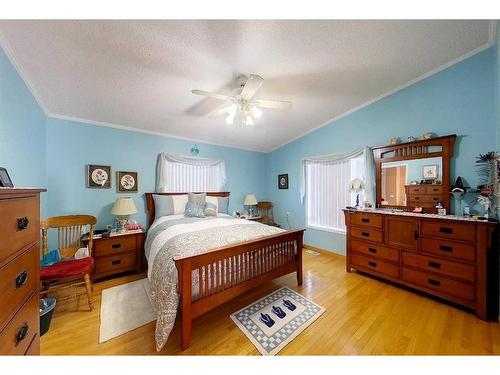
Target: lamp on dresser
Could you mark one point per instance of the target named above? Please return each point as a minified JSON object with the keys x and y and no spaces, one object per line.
{"x":123,"y":208}
{"x":250,"y":201}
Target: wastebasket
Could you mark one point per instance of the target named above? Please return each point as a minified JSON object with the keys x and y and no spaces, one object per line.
{"x":46,"y":310}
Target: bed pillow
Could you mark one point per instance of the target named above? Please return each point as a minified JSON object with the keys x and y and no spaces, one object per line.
{"x":221,"y":203}
{"x":197,"y":198}
{"x":194,"y":210}
{"x":169,"y":204}
{"x":210,"y":209}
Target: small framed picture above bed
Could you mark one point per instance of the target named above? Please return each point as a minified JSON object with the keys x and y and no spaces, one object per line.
{"x":127,"y":182}
{"x":98,"y":176}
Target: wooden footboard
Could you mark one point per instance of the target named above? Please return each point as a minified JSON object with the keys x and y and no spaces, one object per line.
{"x":227,"y":272}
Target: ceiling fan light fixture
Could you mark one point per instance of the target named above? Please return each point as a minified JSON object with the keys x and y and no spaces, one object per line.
{"x":249,"y":119}
{"x":230,"y":119}
{"x":256,"y":112}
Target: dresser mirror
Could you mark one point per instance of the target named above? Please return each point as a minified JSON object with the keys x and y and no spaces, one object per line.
{"x":414,"y":174}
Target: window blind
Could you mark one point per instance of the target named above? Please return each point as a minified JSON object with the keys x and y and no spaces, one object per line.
{"x":183,"y":177}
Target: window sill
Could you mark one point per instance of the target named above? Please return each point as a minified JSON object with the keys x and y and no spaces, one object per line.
{"x":325,"y":229}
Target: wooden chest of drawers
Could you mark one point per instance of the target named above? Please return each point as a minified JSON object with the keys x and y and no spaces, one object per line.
{"x":449,"y":258}
{"x":425,"y":196}
{"x":19,"y":271}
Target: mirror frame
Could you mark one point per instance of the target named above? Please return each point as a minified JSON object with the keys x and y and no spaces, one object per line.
{"x":416,"y":150}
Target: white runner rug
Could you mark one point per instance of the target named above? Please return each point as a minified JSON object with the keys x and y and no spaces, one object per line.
{"x":124,"y":308}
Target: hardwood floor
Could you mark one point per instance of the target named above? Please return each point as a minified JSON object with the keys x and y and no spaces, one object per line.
{"x":363,"y":316}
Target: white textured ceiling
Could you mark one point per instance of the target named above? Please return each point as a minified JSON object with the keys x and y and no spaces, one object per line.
{"x":140,"y":74}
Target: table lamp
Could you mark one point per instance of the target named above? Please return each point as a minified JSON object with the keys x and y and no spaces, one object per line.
{"x":250,"y":201}
{"x":123,"y":208}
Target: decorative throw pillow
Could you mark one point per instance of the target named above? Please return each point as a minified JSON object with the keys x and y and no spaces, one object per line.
{"x":164,"y":205}
{"x":179,"y":202}
{"x":194,"y":210}
{"x":210,"y":209}
{"x":223,"y":205}
{"x":199,"y":198}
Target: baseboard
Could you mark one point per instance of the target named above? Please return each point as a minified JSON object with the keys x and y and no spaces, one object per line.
{"x":321,"y":250}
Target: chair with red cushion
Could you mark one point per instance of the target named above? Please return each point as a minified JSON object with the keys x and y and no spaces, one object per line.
{"x":74,"y":272}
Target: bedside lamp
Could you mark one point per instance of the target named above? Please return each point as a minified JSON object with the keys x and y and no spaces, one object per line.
{"x":250,"y":201}
{"x":123,"y":208}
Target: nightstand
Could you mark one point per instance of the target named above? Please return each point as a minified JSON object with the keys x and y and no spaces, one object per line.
{"x":118,"y":253}
{"x":254,"y":218}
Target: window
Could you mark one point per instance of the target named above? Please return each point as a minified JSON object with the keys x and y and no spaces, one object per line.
{"x":186,"y":174}
{"x":327,"y":192}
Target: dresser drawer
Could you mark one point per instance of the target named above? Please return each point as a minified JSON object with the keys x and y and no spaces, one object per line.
{"x":434,"y":190}
{"x":16,"y":338}
{"x":20,"y":224}
{"x":451,"y":249}
{"x":444,"y":267}
{"x":389,"y":269}
{"x":116,"y":263}
{"x":367,"y":220}
{"x":416,"y":190}
{"x":18,"y":280}
{"x":454,"y":288}
{"x":449,"y":229}
{"x":34,"y":348}
{"x":376,"y":251}
{"x":366,"y":234}
{"x":420,"y":199}
{"x":114,"y":245}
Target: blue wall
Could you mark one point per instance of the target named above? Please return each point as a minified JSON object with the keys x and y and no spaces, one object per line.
{"x":22,"y":130}
{"x":457,"y":100}
{"x":71,"y":146}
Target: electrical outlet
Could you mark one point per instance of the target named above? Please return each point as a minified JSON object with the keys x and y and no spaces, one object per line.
{"x":287,"y":214}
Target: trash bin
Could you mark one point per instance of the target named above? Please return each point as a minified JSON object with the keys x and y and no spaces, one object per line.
{"x":46,"y":310}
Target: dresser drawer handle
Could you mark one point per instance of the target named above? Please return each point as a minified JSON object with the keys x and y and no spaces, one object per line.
{"x":448,"y":249}
{"x":372,"y":264}
{"x":416,"y":198}
{"x":22,"y":223}
{"x":365,"y":220}
{"x":446,"y":230}
{"x":434,"y":282}
{"x":434,"y":264}
{"x":22,"y":333}
{"x":21,"y":279}
{"x":116,"y":262}
{"x":365,"y":234}
{"x":372,"y":250}
{"x":436,"y":198}
{"x":116,"y":245}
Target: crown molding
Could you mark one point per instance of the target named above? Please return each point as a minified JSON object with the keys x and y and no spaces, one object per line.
{"x":393,"y":91}
{"x":4,"y":44}
{"x":144,"y":131}
{"x":493,"y":31}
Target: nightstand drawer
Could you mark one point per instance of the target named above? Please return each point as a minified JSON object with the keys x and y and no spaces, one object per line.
{"x":110,"y":265}
{"x":114,"y":245}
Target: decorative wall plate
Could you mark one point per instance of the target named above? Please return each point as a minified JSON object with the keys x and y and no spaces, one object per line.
{"x":283,"y":181}
{"x":127,"y":182}
{"x":99,"y":176}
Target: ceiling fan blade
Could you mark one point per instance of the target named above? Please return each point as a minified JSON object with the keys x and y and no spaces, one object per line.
{"x":213,"y":95}
{"x":252,"y":84}
{"x":225,"y":108}
{"x":263,"y":103}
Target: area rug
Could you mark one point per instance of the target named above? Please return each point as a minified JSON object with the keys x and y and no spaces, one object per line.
{"x":124,"y":308}
{"x":270,"y":340}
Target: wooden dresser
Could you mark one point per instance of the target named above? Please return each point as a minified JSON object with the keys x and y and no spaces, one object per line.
{"x":19,"y":271}
{"x":425,"y":196}
{"x":453,"y":259}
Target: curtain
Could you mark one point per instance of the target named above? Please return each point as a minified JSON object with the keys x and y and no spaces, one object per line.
{"x":369,"y":178}
{"x":187,"y":173}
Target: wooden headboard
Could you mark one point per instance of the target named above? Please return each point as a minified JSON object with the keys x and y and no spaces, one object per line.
{"x":150,"y":203}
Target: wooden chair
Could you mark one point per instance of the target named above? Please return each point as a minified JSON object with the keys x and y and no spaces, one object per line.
{"x":266,"y":211}
{"x":68,"y":273}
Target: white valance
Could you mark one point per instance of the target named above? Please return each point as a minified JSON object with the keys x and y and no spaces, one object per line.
{"x":369,"y":179}
{"x":166,"y":185}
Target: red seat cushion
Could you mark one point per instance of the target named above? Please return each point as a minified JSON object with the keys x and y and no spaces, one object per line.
{"x":67,"y":268}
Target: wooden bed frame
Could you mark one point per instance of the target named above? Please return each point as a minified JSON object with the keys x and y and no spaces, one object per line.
{"x":257,"y":261}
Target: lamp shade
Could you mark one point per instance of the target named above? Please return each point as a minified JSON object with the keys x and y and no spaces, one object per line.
{"x":124,"y":206}
{"x":250,"y":200}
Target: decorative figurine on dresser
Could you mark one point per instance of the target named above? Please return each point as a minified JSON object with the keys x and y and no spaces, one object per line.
{"x":19,"y":271}
{"x":451,"y":257}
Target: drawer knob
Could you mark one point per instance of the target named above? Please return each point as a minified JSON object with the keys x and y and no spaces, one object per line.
{"x":22,"y":333}
{"x":116,"y":245}
{"x":448,"y":249}
{"x":372,"y":264}
{"x":446,"y":230}
{"x":434,"y":265}
{"x":116,"y":262}
{"x":22,"y":223}
{"x":365,"y":220}
{"x":365,"y":234}
{"x":21,"y":279}
{"x":372,"y":250}
{"x":434,"y":282}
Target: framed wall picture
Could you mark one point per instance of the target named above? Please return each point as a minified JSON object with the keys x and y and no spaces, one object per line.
{"x":5,"y":180}
{"x":98,"y":176}
{"x":430,"y":172}
{"x":127,"y":182}
{"x":283,"y":181}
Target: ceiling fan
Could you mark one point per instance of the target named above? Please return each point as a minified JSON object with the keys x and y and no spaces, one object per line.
{"x":244,"y":105}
